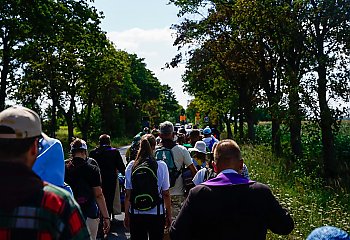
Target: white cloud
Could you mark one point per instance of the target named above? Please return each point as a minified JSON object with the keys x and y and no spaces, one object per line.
{"x":156,"y":47}
{"x":133,"y":39}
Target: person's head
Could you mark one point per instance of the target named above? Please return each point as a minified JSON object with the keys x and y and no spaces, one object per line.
{"x":20,"y":131}
{"x":227,"y":155}
{"x":195,"y":135}
{"x":166,"y":130}
{"x":78,"y":148}
{"x":199,"y":151}
{"x":146,"y":130}
{"x":155,"y":132}
{"x":182,"y":130}
{"x":104,"y":140}
{"x":328,"y":233}
{"x":181,"y":138}
{"x":147,"y":146}
{"x":207,"y":131}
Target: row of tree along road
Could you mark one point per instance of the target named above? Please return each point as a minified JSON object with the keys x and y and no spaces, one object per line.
{"x":290,"y":58}
{"x":56,"y":59}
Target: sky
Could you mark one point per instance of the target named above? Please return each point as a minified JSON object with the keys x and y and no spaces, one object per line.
{"x":143,"y":27}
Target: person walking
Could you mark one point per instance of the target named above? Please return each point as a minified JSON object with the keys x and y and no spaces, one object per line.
{"x":176,"y":156}
{"x":29,"y":207}
{"x":239,"y":208}
{"x":208,"y":138}
{"x":147,"y":201}
{"x":83,"y":175}
{"x":110,"y":163}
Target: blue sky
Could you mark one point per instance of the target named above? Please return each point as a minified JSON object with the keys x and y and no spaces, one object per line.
{"x":143,"y":27}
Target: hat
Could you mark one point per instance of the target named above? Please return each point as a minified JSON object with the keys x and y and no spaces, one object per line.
{"x":207,"y":130}
{"x":81,"y":146}
{"x":24,"y":122}
{"x":200,"y":146}
{"x":328,"y":232}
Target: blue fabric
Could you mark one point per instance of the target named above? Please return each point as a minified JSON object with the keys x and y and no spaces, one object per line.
{"x":328,"y":233}
{"x":49,"y":165}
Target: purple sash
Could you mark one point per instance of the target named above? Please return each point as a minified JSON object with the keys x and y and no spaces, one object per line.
{"x":224,"y":179}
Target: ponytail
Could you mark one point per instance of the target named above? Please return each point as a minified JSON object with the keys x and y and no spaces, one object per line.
{"x":147,"y":143}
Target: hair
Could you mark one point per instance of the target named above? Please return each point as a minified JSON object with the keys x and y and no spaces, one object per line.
{"x":182,"y":130}
{"x":155,"y":132}
{"x":76,"y":145}
{"x":181,"y":138}
{"x":105,"y":139}
{"x":166,"y":128}
{"x":146,"y":130}
{"x":147,"y":143}
{"x":11,"y":148}
{"x":226,"y":150}
{"x":195,"y":133}
{"x":200,"y":155}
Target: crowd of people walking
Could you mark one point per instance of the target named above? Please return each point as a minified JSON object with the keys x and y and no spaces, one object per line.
{"x":178,"y":185}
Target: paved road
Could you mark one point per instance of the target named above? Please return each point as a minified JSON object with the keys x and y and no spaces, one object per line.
{"x":117,"y":229}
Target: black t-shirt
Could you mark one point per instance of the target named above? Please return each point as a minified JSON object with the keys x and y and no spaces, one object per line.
{"x":78,"y":170}
{"x":109,"y":161}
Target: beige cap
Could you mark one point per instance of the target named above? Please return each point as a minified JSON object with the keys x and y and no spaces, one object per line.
{"x":24,"y":122}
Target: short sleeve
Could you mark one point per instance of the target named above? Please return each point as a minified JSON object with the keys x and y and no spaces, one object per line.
{"x":163,"y":176}
{"x":128,"y":170}
{"x":199,"y":177}
{"x":187,"y":156}
{"x":95,"y":176}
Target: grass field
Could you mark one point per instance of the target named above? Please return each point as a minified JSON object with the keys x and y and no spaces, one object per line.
{"x":310,"y":202}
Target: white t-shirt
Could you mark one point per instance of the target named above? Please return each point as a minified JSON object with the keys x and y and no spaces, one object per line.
{"x":163,"y":184}
{"x":199,"y":177}
{"x":181,"y":157}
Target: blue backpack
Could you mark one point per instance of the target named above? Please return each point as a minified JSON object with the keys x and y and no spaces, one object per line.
{"x":166,"y":155}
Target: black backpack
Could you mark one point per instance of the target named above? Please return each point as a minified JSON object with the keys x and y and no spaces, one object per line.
{"x":144,"y":180}
{"x":209,"y":174}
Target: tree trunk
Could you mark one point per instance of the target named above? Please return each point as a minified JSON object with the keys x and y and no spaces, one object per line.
{"x":241,"y":124}
{"x":295,"y":116}
{"x":250,"y":118}
{"x":329,"y":153}
{"x":4,"y":72}
{"x":53,"y":119}
{"x":86,"y":121}
{"x":70,"y":125}
{"x":250,"y":122}
{"x":276,"y":136}
{"x":235,"y":129}
{"x":228,"y":127}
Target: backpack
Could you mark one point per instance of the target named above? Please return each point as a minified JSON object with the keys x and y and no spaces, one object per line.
{"x":187,"y":180}
{"x":166,"y":155}
{"x":211,"y":143}
{"x":144,"y":180}
{"x":209,"y":174}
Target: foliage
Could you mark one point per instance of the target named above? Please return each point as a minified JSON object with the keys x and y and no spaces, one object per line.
{"x":310,"y":203}
{"x":289,"y":57}
{"x":60,"y":63}
{"x":311,"y":164}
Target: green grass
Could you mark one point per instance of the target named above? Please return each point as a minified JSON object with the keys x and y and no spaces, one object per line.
{"x":310,"y":201}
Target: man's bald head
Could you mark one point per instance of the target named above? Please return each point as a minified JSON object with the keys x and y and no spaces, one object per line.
{"x":227,"y":154}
